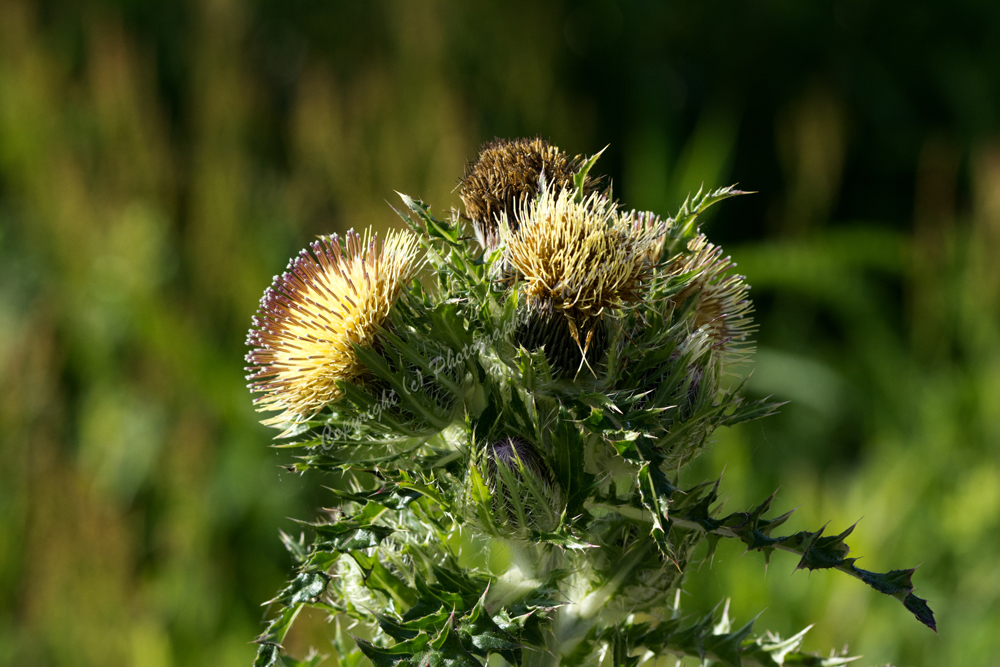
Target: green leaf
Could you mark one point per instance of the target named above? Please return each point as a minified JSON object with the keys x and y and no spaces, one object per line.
{"x":753,"y":410}
{"x":312,"y":661}
{"x":563,"y":536}
{"x":815,"y":551}
{"x":728,"y":647}
{"x":267,"y":654}
{"x":379,"y":577}
{"x":304,"y":588}
{"x":581,"y":176}
{"x":390,"y":496}
{"x":826,"y":552}
{"x":455,"y":579}
{"x":270,"y":640}
{"x":700,"y":504}
{"x":919,"y":608}
{"x":693,"y":206}
{"x":620,"y":651}
{"x":481,"y":635}
{"x":395,"y":629}
{"x":446,"y":650}
{"x":431,"y":226}
{"x":890,"y":583}
{"x":569,"y":460}
{"x":657,"y":507}
{"x":403,"y":654}
{"x":296,"y":547}
{"x":345,"y":536}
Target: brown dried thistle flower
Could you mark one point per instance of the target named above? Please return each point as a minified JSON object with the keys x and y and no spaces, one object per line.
{"x":506,"y":174}
{"x":722,"y":302}
{"x":339,"y":294}
{"x":578,"y":259}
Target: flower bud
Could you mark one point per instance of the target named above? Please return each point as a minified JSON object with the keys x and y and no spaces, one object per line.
{"x":523,"y":491}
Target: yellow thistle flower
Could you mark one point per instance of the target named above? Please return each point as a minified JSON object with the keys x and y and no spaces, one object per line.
{"x":722,"y":302}
{"x":339,"y":294}
{"x":506,"y":174}
{"x":577,"y":258}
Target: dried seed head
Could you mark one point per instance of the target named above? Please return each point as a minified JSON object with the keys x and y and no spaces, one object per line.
{"x":578,"y":259}
{"x":721,"y":299}
{"x":506,"y":174}
{"x":339,"y":294}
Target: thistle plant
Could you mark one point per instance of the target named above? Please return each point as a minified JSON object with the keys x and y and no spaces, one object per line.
{"x":508,"y":410}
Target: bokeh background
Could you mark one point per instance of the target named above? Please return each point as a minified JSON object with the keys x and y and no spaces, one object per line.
{"x":161,"y":160}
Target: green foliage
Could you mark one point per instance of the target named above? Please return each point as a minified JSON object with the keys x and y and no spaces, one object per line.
{"x":498,"y":507}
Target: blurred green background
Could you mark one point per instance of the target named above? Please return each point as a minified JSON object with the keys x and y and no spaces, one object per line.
{"x":160,"y":161}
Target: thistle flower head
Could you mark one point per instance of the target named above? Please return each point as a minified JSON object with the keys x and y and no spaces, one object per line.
{"x":335,"y":296}
{"x":721,"y":299}
{"x":505,"y":175}
{"x":578,"y":258}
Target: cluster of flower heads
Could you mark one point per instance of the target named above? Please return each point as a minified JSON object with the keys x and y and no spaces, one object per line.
{"x":575,"y":257}
{"x":505,"y":444}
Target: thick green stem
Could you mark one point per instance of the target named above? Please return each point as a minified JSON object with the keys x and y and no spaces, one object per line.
{"x":573,"y":622}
